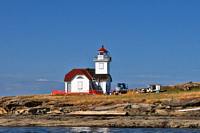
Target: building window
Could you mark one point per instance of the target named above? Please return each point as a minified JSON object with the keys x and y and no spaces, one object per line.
{"x":79,"y":77}
{"x":101,"y":65}
{"x":80,"y":85}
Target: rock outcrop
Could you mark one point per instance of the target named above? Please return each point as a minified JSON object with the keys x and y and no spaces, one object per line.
{"x":138,"y":114}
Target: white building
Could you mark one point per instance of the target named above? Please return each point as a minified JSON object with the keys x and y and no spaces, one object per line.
{"x":86,"y":80}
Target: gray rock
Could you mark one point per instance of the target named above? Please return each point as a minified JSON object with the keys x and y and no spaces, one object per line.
{"x":160,"y":106}
{"x":168,"y":107}
{"x":135,"y":106}
{"x":161,"y":112}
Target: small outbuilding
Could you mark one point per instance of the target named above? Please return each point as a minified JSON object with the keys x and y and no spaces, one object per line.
{"x":155,"y":88}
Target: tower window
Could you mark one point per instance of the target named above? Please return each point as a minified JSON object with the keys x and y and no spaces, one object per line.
{"x":101,"y":65}
{"x":100,"y":57}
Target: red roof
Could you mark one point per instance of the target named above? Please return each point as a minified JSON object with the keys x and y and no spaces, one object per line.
{"x":102,"y":49}
{"x":69,"y":76}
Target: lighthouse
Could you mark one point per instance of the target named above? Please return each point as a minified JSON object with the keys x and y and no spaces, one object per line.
{"x":87,"y":80}
{"x":102,"y":69}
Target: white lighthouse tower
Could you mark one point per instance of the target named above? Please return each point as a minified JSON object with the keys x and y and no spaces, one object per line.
{"x":102,"y":61}
{"x":102,"y":69}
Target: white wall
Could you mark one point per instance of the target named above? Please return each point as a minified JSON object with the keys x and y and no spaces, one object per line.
{"x":86,"y":85}
{"x":157,"y":87}
{"x":66,"y":90}
{"x":106,"y":86}
{"x":103,"y":86}
{"x":74,"y":84}
{"x":67,"y":87}
{"x":105,"y":70}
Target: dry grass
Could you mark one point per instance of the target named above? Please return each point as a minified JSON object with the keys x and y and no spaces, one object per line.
{"x":130,"y":97}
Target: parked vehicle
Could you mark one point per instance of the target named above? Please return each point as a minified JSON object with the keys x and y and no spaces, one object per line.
{"x":153,"y":88}
{"x":121,"y":88}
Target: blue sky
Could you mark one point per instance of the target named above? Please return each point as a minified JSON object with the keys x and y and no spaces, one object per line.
{"x":149,"y":41}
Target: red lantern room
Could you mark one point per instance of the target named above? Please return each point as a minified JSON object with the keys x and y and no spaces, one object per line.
{"x":103,"y":50}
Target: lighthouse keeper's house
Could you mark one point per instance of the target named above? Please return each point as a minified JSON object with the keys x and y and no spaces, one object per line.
{"x":85,"y":80}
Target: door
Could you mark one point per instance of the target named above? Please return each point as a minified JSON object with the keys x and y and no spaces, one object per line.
{"x":69,"y":87}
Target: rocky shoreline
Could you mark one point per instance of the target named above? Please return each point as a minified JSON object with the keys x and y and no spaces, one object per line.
{"x":48,"y":111}
{"x":93,"y":121}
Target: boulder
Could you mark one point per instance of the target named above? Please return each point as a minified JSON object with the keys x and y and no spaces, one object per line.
{"x":183,"y":103}
{"x":70,"y":109}
{"x":21,"y":112}
{"x":161,"y":112}
{"x":140,"y":106}
{"x":161,"y":106}
{"x":11,"y":105}
{"x":139,"y":109}
{"x":3,"y":111}
{"x":55,"y":112}
{"x":135,"y":106}
{"x":33,"y":103}
{"x":148,"y":108}
{"x":38,"y":111}
{"x":168,"y":107}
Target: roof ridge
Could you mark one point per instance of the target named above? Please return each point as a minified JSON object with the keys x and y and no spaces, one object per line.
{"x":89,"y":74}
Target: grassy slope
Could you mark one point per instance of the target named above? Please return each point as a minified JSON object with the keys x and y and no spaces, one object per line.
{"x":130,"y":97}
